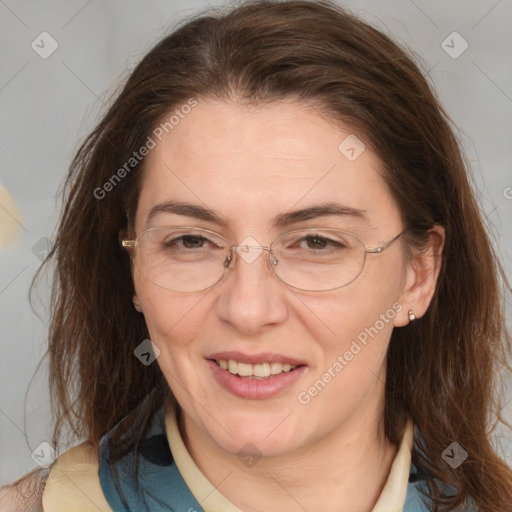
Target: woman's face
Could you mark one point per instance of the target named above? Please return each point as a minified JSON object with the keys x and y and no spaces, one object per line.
{"x":249,"y":165}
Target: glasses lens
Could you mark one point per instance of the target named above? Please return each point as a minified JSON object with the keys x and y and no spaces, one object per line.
{"x":318,"y":260}
{"x":193,"y":259}
{"x":182,"y":259}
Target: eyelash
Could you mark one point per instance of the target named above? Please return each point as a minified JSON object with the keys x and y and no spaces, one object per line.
{"x":174,"y":241}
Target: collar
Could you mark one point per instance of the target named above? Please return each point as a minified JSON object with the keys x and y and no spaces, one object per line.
{"x":392,"y":497}
{"x":81,"y":479}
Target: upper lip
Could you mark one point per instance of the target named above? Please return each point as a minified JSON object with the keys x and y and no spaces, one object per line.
{"x":255,"y":358}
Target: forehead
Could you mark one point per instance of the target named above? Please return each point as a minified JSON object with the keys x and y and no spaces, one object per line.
{"x":252,"y":162}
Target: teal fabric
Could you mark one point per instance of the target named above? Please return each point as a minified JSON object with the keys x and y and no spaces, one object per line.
{"x":161,"y":486}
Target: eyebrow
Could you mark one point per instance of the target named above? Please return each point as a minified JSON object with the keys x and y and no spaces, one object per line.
{"x":281,"y":220}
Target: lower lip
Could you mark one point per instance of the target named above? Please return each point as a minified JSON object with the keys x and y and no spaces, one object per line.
{"x":255,"y":389}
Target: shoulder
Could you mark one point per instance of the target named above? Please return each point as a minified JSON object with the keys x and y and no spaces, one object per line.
{"x":26,"y":493}
{"x":71,"y":484}
{"x":74,"y":483}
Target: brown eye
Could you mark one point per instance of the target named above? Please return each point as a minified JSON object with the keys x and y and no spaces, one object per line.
{"x":315,"y":242}
{"x":188,"y":242}
{"x":193,"y":242}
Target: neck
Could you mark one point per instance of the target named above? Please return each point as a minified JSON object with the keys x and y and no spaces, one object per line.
{"x":344,"y":471}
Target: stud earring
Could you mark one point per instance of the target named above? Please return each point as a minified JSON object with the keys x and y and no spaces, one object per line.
{"x":411,"y":314}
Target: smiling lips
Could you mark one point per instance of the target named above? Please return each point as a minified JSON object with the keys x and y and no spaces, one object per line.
{"x":257,"y":376}
{"x":242,"y":378}
{"x":254,"y":371}
{"x":260,"y":366}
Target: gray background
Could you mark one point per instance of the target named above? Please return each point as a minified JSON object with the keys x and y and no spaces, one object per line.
{"x":47,"y":105}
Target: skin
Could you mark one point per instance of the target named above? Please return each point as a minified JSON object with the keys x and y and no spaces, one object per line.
{"x":250,"y":163}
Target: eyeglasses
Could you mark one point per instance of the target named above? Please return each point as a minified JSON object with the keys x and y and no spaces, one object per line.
{"x":189,"y":259}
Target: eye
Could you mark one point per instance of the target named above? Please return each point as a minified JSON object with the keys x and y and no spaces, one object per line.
{"x":189,"y":242}
{"x":317,"y":242}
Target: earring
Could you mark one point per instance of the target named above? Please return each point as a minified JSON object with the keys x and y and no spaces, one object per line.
{"x":411,"y":314}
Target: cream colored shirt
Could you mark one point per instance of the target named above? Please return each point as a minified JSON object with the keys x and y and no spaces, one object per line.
{"x":74,"y":485}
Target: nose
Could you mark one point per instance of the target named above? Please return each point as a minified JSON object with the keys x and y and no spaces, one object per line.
{"x":251,"y":297}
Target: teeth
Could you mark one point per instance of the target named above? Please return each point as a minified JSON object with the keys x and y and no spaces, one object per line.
{"x":244,"y":370}
{"x":232,"y":366}
{"x":256,"y":371}
{"x":276,"y":368}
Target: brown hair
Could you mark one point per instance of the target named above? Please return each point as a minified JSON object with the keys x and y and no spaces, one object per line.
{"x":442,"y":369}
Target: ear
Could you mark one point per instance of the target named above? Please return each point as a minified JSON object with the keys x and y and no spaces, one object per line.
{"x":420,"y":281}
{"x":136,"y":303}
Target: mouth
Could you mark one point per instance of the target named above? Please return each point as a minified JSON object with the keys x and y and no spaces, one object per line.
{"x":259,"y":376}
{"x":260,"y":371}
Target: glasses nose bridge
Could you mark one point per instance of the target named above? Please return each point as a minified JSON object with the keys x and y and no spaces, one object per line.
{"x":249,"y":253}
{"x":263,"y":247}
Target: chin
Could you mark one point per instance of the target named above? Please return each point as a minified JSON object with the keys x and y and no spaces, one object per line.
{"x":269,"y":436}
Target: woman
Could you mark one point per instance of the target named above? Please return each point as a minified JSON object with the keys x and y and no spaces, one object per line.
{"x":273,"y":289}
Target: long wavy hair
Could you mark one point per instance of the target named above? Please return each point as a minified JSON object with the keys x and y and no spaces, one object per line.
{"x":442,"y":370}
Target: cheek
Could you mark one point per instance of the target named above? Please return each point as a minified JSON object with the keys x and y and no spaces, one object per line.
{"x":360,"y":305}
{"x":355,"y":326}
{"x":174,"y":324}
{"x":354,"y":337}
{"x":356,"y":322}
{"x":168,"y":315}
